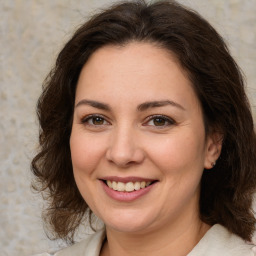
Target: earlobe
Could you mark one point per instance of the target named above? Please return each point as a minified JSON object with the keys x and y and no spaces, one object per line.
{"x":213,"y":150}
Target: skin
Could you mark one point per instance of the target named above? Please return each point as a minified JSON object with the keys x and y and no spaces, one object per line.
{"x":126,"y":140}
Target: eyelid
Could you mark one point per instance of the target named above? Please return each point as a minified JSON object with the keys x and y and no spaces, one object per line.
{"x":168,"y":119}
{"x":85,"y":119}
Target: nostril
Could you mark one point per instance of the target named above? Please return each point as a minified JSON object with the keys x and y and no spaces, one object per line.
{"x":125,"y":157}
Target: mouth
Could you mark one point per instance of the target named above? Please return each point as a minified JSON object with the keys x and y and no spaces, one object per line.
{"x":127,"y":189}
{"x":129,"y":186}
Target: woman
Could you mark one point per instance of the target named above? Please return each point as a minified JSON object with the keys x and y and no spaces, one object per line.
{"x":145,"y":122}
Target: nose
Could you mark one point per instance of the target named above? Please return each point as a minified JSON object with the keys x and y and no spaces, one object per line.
{"x":124,"y":149}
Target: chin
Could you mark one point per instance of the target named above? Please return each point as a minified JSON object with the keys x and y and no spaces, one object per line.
{"x":128,"y":222}
{"x":127,"y":227}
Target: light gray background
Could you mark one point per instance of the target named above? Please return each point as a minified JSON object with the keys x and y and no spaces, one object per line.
{"x":31,"y":34}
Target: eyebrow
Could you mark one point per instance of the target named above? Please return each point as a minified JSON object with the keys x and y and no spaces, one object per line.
{"x":142,"y":107}
{"x":94,"y":104}
{"x":156,"y":104}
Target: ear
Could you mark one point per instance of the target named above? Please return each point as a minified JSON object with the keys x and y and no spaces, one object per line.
{"x":213,"y":149}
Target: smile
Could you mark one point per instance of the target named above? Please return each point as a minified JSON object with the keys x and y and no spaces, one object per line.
{"x":127,"y":189}
{"x":128,"y":186}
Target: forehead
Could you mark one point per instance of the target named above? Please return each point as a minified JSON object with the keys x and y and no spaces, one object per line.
{"x":133,"y":54}
{"x":137,"y":70}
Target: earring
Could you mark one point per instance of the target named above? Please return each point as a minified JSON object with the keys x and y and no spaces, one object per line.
{"x":213,"y":164}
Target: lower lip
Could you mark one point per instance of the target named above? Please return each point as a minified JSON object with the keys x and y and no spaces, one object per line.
{"x":126,"y":196}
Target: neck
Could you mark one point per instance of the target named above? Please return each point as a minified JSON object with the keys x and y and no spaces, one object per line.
{"x":177,"y":239}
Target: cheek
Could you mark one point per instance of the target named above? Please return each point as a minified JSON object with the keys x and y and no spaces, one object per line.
{"x":180,"y":160}
{"x":179,"y":152}
{"x":85,"y":152}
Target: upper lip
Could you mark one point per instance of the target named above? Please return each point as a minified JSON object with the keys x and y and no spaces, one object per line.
{"x":126,"y":179}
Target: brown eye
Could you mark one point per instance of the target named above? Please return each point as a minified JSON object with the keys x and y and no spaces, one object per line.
{"x":95,"y":120}
{"x":159,"y":121}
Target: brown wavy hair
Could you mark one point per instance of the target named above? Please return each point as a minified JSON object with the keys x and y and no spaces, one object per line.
{"x":226,"y":190}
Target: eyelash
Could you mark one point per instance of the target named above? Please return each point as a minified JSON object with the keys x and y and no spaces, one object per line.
{"x":86,"y":120}
{"x":164,"y":118}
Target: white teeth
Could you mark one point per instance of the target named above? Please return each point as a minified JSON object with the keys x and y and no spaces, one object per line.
{"x":114,"y":185}
{"x":120,"y":186}
{"x":109,"y":183}
{"x":127,"y":187}
{"x":137,"y":185}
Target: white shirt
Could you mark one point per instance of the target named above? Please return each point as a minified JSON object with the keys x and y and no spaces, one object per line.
{"x":217,"y":241}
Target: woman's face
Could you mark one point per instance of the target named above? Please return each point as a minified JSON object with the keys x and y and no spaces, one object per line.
{"x":138,"y":141}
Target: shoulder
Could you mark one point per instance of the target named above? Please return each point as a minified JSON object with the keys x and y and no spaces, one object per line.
{"x":89,"y":246}
{"x":44,"y":254}
{"x":219,"y":241}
